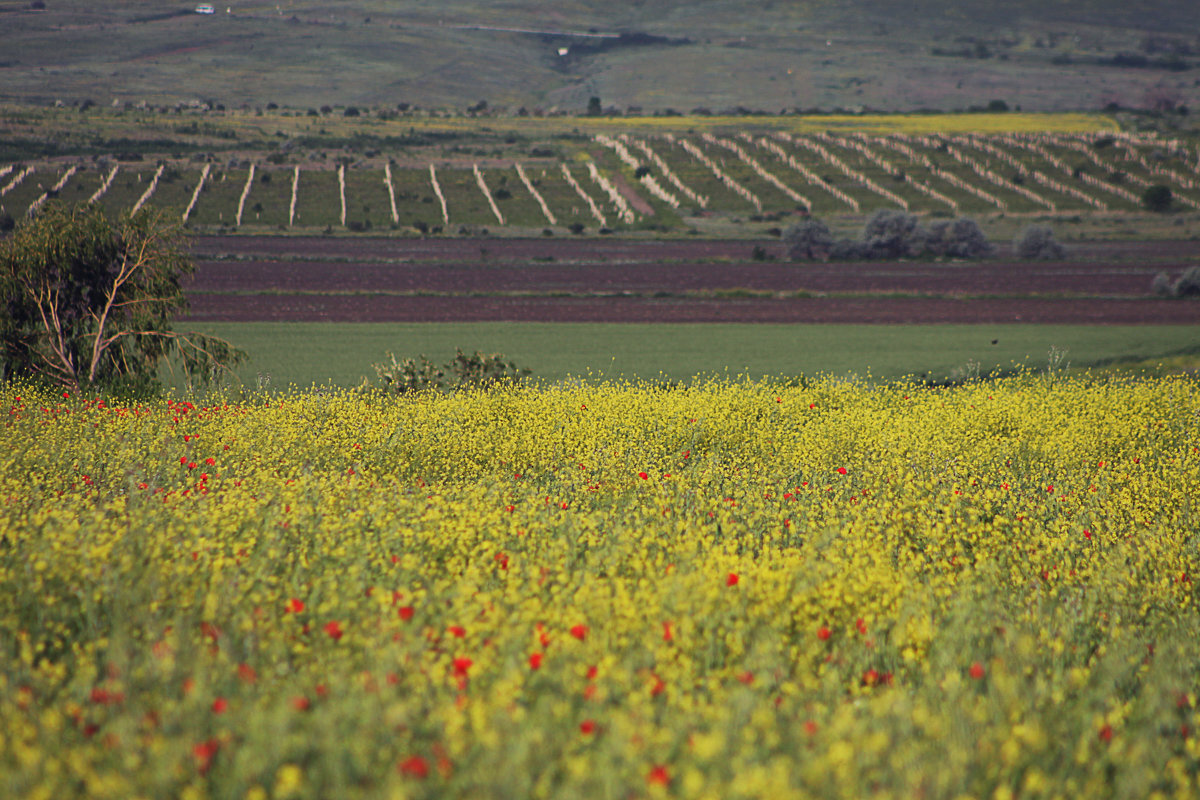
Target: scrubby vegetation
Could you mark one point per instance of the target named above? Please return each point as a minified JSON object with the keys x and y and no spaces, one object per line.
{"x":1186,"y":285}
{"x":1037,"y":243}
{"x":887,"y":235}
{"x":464,"y":371}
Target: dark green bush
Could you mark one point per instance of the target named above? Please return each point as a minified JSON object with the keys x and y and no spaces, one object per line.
{"x":1157,"y":198}
{"x":1037,"y":243}
{"x":808,"y":240}
{"x":461,"y":372}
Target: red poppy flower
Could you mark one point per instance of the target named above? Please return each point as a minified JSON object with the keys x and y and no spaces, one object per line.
{"x":668,"y":634}
{"x":405,"y":612}
{"x":810,"y":727}
{"x":579,"y":632}
{"x":861,"y":625}
{"x":976,"y":670}
{"x":414,"y":767}
{"x":643,"y":476}
{"x":1106,"y":733}
{"x":824,"y":633}
{"x":247,"y":673}
{"x":295,"y":606}
{"x":592,"y":671}
{"x":457,"y":631}
{"x":301,"y":703}
{"x":461,"y":665}
{"x":732,"y":579}
{"x":841,"y":470}
{"x":204,"y":753}
{"x":659,"y":776}
{"x":535,"y":661}
{"x":334,"y":630}
{"x":587,"y":727}
{"x":220,"y":705}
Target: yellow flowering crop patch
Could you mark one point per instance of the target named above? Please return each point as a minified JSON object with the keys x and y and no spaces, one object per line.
{"x":735,"y":589}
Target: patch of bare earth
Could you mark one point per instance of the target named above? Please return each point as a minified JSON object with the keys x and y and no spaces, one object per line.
{"x":623,"y":280}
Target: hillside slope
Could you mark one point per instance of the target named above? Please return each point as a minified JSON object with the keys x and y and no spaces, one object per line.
{"x":713,"y":54}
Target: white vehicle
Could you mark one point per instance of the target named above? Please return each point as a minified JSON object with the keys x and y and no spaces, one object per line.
{"x":206,"y":9}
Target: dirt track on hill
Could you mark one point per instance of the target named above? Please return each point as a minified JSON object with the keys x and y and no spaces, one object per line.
{"x":611,"y":280}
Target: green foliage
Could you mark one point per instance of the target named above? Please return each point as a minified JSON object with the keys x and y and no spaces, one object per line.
{"x":1037,"y":243}
{"x":1157,"y":198}
{"x":893,"y":234}
{"x":889,"y":234}
{"x":960,"y":238}
{"x":89,"y":301}
{"x":808,"y":240}
{"x":1186,"y":285}
{"x":461,"y":372}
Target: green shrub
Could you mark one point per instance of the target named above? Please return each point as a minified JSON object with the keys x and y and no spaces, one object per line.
{"x":808,"y":240}
{"x":961,"y":238}
{"x":463,"y":371}
{"x":1187,"y":285}
{"x":1157,"y":198}
{"x":1037,"y":243}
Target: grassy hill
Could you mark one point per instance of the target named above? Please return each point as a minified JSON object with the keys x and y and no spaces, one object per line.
{"x":634,"y":54}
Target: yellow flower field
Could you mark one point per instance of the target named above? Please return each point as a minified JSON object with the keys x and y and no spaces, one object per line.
{"x":733,"y":589}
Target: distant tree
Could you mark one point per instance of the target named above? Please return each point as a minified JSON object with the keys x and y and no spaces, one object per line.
{"x":893,"y":234}
{"x":1161,"y":285}
{"x":87,"y":301}
{"x":1188,"y":284}
{"x":1157,"y":198}
{"x":594,"y":108}
{"x":962,"y":238}
{"x":351,"y":111}
{"x":1037,"y":243}
{"x":808,"y":240}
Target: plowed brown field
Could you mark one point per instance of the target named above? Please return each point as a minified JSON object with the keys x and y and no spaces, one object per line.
{"x":608,"y":280}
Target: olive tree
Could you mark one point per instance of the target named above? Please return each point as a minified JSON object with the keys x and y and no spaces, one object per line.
{"x":1157,"y":198}
{"x":1037,"y":243}
{"x":88,"y":301}
{"x":808,"y":240}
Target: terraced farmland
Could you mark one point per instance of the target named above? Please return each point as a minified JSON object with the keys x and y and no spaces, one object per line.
{"x":629,"y":181}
